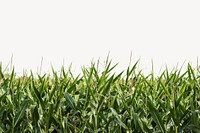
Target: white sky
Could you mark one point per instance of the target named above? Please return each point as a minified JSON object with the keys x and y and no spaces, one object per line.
{"x":81,"y":30}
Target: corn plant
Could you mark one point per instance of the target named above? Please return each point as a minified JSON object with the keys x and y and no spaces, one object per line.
{"x":100,"y":101}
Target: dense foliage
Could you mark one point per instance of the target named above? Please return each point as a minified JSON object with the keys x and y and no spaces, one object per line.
{"x":101,"y":101}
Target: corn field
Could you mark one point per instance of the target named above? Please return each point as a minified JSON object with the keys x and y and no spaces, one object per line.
{"x":101,"y":101}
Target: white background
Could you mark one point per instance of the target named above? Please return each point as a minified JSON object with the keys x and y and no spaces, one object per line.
{"x":79,"y":31}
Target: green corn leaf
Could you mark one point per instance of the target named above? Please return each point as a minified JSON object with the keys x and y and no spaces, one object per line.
{"x":2,"y":97}
{"x":1,"y":72}
{"x":103,"y":92}
{"x":11,"y":78}
{"x":191,"y":73}
{"x":70,"y":100}
{"x":25,"y":105}
{"x":156,"y":117}
{"x":35,"y":115}
{"x":138,"y":122}
{"x":37,"y":94}
{"x":118,"y":119}
{"x":50,"y":114}
{"x":117,"y":77}
{"x":129,"y":72}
